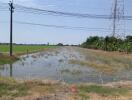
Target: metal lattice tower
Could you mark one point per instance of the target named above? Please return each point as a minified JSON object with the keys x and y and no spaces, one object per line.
{"x":118,"y":26}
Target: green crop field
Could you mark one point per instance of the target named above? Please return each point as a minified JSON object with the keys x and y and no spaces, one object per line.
{"x":21,"y":49}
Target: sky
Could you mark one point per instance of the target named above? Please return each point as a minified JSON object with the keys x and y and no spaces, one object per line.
{"x":41,"y":35}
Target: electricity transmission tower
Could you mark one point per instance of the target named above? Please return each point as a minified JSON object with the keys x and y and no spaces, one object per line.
{"x":117,"y":16}
{"x":11,"y":25}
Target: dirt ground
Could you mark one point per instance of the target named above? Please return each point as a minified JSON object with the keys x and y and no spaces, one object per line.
{"x":43,"y":91}
{"x":68,"y":95}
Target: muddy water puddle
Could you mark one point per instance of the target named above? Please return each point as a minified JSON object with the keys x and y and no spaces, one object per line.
{"x":54,"y":65}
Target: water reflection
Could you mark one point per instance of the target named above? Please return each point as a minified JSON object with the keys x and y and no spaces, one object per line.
{"x":6,"y":70}
{"x":55,"y":66}
{"x":11,"y":70}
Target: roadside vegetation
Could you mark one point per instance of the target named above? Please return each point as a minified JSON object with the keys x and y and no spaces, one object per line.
{"x":109,"y":43}
{"x":11,"y":89}
{"x":86,"y":92}
{"x":6,"y":59}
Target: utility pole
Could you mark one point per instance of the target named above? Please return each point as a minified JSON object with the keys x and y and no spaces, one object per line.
{"x":114,"y":18}
{"x":106,"y":43}
{"x":11,"y":26}
{"x":117,"y":15}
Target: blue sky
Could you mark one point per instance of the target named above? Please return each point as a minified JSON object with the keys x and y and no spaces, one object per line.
{"x":38,"y":34}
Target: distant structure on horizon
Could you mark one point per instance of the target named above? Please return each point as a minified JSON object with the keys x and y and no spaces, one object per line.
{"x":118,"y":26}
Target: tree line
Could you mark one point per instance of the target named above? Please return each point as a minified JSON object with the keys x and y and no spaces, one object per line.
{"x":109,"y":43}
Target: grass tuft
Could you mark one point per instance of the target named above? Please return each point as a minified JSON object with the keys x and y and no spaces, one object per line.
{"x":5,"y":59}
{"x":102,"y":90}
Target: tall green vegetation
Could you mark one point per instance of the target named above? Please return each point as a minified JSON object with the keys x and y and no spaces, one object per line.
{"x":109,"y":43}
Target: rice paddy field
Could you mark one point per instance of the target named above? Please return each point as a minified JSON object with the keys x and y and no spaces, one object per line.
{"x":21,"y":49}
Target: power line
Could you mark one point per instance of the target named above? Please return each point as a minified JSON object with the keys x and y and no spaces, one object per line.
{"x":50,"y":12}
{"x":93,"y":8}
{"x":59,"y":26}
{"x":67,"y":14}
{"x":20,"y":8}
{"x":63,"y":27}
{"x":67,"y":27}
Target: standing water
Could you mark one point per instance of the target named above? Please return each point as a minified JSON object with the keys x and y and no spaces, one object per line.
{"x":54,"y":65}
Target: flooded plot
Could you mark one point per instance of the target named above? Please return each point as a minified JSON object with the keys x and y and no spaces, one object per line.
{"x":55,"y":65}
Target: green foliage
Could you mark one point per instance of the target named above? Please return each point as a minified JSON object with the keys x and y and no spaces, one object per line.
{"x":109,"y":43}
{"x":14,"y":90}
{"x":101,"y":90}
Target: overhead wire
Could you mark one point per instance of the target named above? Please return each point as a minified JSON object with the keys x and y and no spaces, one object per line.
{"x":58,"y":26}
{"x":69,"y":14}
{"x":63,"y":27}
{"x":20,"y":8}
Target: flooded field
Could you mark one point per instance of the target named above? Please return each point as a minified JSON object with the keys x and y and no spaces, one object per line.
{"x":56,"y":65}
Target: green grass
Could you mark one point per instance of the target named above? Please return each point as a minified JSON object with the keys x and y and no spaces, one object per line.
{"x":9,"y":87}
{"x":12,"y":90}
{"x":84,"y":90}
{"x":18,"y":49}
{"x":101,"y":90}
{"x":4,"y":59}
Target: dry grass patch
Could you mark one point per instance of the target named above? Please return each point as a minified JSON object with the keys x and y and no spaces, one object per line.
{"x":108,"y":62}
{"x":5,"y":59}
{"x":105,"y":68}
{"x":110,"y":91}
{"x":35,"y":90}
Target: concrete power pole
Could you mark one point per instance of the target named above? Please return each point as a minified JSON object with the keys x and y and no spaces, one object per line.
{"x":11,"y":26}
